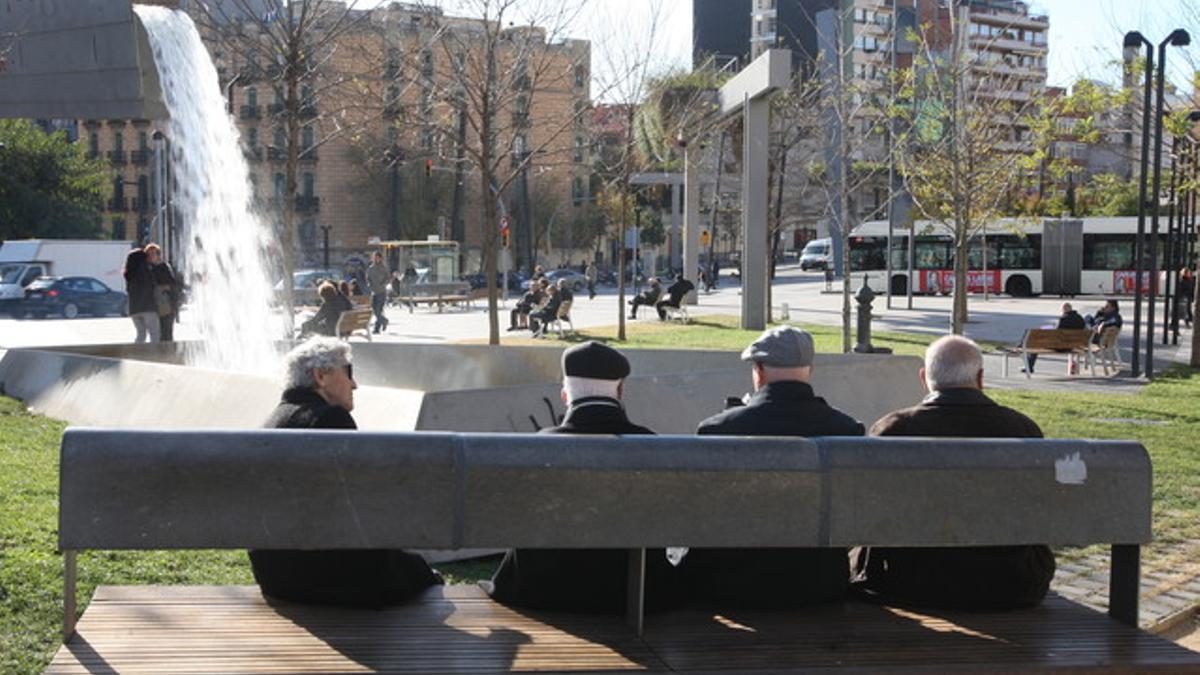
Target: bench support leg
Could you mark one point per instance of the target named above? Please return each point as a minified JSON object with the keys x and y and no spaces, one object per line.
{"x":68,"y":594}
{"x":635,"y":601}
{"x":1124,"y":583}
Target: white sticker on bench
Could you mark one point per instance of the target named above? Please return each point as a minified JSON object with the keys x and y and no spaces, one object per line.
{"x":1070,"y":470}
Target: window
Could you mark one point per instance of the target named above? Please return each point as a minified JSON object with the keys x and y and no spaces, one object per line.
{"x":118,"y":190}
{"x":307,"y":138}
{"x":252,"y":137}
{"x":252,"y":97}
{"x":309,"y":183}
{"x":143,"y":193}
{"x":280,"y":188}
{"x":93,"y":144}
{"x":143,"y":141}
{"x":118,"y":228}
{"x":280,"y":140}
{"x":580,"y":148}
{"x":866,"y":253}
{"x":580,"y":76}
{"x":1108,"y":251}
{"x":931,"y":253}
{"x":578,"y":192}
{"x":119,"y":142}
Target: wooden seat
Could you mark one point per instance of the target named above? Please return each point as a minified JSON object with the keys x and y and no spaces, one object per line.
{"x":353,"y":320}
{"x":458,"y":629}
{"x":1073,"y":342}
{"x":1107,"y":351}
{"x":562,"y":315}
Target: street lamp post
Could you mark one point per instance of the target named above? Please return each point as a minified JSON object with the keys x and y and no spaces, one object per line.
{"x":325,"y":230}
{"x":1177,"y":38}
{"x":1134,"y":39}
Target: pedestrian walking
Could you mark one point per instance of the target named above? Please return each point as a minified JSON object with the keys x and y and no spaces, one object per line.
{"x":591,"y":273}
{"x":139,"y":286}
{"x":378,"y":276}
{"x":166,"y":292}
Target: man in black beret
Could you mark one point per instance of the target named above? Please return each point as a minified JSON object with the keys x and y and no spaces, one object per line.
{"x":783,"y":404}
{"x":583,"y":580}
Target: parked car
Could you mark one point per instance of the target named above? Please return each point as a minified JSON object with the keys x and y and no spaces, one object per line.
{"x":577,"y":280}
{"x":304,"y":285}
{"x":71,"y":296}
{"x":478,"y":281}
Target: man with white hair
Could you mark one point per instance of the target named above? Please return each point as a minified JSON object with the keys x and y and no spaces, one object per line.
{"x":319,"y":394}
{"x":981,"y":577}
{"x":583,"y":580}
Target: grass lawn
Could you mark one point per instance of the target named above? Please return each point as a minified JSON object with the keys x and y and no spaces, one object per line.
{"x":1163,"y":416}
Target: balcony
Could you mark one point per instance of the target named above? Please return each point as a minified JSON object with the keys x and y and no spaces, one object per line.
{"x":275,"y":109}
{"x":117,"y":204}
{"x":520,"y":119}
{"x":308,"y":110}
{"x":117,"y":157}
{"x":253,"y":153}
{"x":392,"y":111}
{"x":308,"y":154}
{"x":275,"y":154}
{"x":308,"y":204}
{"x":251,"y":112}
{"x":391,"y":71}
{"x":139,"y":205}
{"x":140,"y":157}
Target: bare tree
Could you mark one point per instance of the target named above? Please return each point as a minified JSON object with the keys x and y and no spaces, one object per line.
{"x":292,"y":45}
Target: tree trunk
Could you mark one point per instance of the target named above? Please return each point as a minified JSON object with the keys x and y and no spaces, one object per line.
{"x":291,"y":166}
{"x":621,"y":260}
{"x":958,"y":321}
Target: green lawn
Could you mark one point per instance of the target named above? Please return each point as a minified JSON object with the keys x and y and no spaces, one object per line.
{"x":31,"y":571}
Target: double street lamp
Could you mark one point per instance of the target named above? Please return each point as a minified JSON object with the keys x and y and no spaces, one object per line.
{"x":1134,"y":39}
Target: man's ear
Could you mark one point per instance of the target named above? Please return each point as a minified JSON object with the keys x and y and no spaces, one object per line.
{"x":924,"y":383}
{"x":621,"y":390}
{"x":979,"y":379}
{"x":562,"y":393}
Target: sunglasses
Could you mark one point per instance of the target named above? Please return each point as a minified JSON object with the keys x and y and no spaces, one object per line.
{"x":350,"y":371}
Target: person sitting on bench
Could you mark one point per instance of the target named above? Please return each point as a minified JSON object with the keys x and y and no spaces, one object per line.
{"x":1068,"y":320}
{"x":647,"y":297}
{"x":319,"y":394}
{"x":582,"y":580}
{"x":548,"y":311}
{"x":325,"y":321}
{"x":1108,"y":316}
{"x":976,"y":577}
{"x":675,"y":293}
{"x":518,"y":318}
{"x":783,"y":404}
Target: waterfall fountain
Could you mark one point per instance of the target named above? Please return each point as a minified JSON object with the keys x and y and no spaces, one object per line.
{"x":225,"y":243}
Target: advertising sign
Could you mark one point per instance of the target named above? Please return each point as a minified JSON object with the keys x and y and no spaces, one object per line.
{"x":1123,"y":281}
{"x":942,"y":281}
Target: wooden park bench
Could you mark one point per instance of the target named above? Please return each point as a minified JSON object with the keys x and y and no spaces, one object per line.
{"x":352,"y":321}
{"x":442,"y":294}
{"x":1073,"y":342}
{"x":283,"y":489}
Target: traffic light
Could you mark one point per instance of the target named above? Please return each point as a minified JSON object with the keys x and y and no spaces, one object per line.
{"x":504,"y":231}
{"x":429,"y":168}
{"x":704,"y":237}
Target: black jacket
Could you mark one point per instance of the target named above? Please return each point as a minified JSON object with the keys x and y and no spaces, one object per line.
{"x":778,"y":577}
{"x":979,"y":577}
{"x":1071,"y":320}
{"x":677,"y":290}
{"x":783,"y":409}
{"x":139,"y":283}
{"x":358,"y":578}
{"x":584,"y":580}
{"x":325,"y":321}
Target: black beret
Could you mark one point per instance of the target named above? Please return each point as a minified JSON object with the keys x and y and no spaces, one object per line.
{"x":596,"y":361}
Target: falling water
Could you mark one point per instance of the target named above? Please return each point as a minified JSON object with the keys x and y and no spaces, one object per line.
{"x":225,"y":243}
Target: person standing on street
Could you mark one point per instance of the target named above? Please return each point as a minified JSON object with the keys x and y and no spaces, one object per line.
{"x":139,"y":286}
{"x":591,"y":273}
{"x":378,"y":276}
{"x":166,"y":292}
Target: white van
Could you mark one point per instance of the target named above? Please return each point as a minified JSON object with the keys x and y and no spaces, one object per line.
{"x":23,"y":260}
{"x":816,"y":254}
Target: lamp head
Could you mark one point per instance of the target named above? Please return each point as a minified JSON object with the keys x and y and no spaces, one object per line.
{"x":1135,"y":39}
{"x":1179,"y":38}
{"x":1194,"y":116}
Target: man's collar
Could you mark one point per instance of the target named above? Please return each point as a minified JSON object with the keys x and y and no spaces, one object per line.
{"x":957,"y":396}
{"x":784,"y":390}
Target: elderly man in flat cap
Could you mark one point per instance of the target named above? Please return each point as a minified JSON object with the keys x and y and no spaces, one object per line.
{"x":583,"y":580}
{"x":783,"y":404}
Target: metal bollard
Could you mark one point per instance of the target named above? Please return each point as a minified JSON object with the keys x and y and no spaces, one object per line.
{"x":864,"y":298}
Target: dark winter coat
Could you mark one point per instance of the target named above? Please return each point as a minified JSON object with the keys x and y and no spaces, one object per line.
{"x":776,"y":577}
{"x":982,"y":577}
{"x":139,"y":283}
{"x":584,"y":580}
{"x":357,"y":578}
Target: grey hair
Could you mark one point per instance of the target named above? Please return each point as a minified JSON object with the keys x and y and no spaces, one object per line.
{"x":952,"y":361}
{"x":319,"y":353}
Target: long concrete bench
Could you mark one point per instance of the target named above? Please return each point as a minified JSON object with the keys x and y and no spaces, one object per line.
{"x":271,"y":489}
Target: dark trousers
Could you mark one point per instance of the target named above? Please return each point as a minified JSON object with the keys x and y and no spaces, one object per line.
{"x":663,"y":305}
{"x":378,"y":300}
{"x":591,"y":289}
{"x":638,"y":301}
{"x":521,"y":308}
{"x":166,"y":328}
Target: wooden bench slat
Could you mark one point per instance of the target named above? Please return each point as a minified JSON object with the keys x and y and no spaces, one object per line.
{"x":457,"y":629}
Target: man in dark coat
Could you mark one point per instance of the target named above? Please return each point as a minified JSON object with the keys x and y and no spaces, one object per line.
{"x":583,"y":580}
{"x":647,"y":297}
{"x":783,"y":404}
{"x":320,"y":395}
{"x":139,"y":286}
{"x":1069,"y":319}
{"x":982,"y":577}
{"x":675,"y":293}
{"x":166,"y":292}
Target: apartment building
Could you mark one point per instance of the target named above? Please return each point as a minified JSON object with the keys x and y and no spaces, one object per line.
{"x":378,"y":155}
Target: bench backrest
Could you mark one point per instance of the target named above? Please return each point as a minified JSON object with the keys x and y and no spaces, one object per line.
{"x":125,"y":489}
{"x":1066,"y":338}
{"x":352,"y":320}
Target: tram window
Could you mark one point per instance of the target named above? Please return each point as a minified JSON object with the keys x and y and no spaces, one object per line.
{"x":899,"y":253}
{"x":1108,"y":251}
{"x":866,"y":253}
{"x":1020,"y":253}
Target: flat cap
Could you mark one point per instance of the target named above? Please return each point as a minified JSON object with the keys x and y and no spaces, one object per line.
{"x":596,"y":361}
{"x":782,"y":347}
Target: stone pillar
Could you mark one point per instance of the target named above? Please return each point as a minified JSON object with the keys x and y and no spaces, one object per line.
{"x":754,"y":213}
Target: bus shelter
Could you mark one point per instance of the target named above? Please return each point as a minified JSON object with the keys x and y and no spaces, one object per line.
{"x":435,"y":262}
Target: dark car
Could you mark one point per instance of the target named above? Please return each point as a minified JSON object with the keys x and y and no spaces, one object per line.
{"x":71,"y":296}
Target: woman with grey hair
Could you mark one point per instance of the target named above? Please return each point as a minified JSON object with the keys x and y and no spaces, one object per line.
{"x":319,"y":394}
